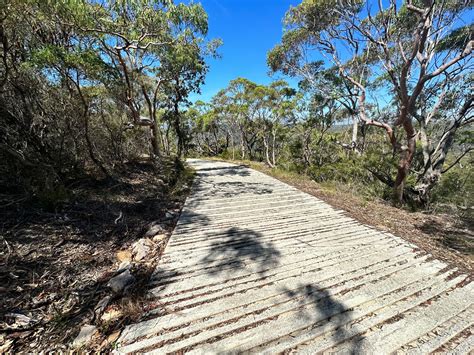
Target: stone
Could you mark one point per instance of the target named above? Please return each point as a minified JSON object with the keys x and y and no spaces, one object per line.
{"x":154,"y":229}
{"x":113,"y":337}
{"x":111,"y":315}
{"x":160,"y":238}
{"x":102,"y":304}
{"x":110,"y":340}
{"x":142,"y":248}
{"x":124,"y":265}
{"x":119,"y":283}
{"x":20,"y":321}
{"x":85,"y":336}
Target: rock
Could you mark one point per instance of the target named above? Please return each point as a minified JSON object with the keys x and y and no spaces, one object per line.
{"x":124,"y":255}
{"x":160,"y":238}
{"x":142,"y":248}
{"x":111,"y":315}
{"x":124,"y":265}
{"x":169,"y":215}
{"x":113,"y":337}
{"x":119,"y":283}
{"x":19,"y":321}
{"x":154,"y":229}
{"x":85,"y":336}
{"x":101,"y":305}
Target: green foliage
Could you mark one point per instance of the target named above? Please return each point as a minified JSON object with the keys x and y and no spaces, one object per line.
{"x":456,"y":187}
{"x":77,"y":77}
{"x":317,"y":15}
{"x":403,"y":68}
{"x":457,"y":39}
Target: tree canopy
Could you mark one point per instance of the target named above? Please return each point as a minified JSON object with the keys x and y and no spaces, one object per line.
{"x":87,"y":85}
{"x":403,"y":69}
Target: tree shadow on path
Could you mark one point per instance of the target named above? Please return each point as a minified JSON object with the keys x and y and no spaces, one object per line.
{"x":319,"y":306}
{"x":240,"y":170}
{"x":241,"y":248}
{"x":230,"y":189}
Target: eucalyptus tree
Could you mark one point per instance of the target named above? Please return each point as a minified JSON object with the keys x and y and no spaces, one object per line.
{"x":226,"y":119}
{"x":275,"y":105}
{"x":76,"y":77}
{"x":49,"y":71}
{"x":184,"y":70}
{"x":411,"y":48}
{"x":208,"y":131}
{"x":79,"y":67}
{"x":317,"y":116}
{"x":241,"y":106}
{"x":257,"y":112}
{"x":138,"y":37}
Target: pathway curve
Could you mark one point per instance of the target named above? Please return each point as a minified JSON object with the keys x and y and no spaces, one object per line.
{"x":255,"y":265}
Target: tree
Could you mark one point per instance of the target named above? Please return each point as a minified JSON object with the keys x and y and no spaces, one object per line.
{"x":409,"y":48}
{"x":275,"y":111}
{"x":138,"y":37}
{"x":84,"y":85}
{"x":439,"y":136}
{"x":241,"y":107}
{"x":207,"y":128}
{"x":184,"y":68}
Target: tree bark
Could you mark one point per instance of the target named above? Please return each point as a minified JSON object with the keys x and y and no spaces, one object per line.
{"x":355,"y":131}
{"x":406,"y":158}
{"x":154,"y":139}
{"x":233,"y":146}
{"x":267,"y":153}
{"x":154,"y":131}
{"x":242,"y":146}
{"x":273,"y":148}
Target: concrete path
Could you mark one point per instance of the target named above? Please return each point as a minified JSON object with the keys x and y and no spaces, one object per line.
{"x":257,"y":266}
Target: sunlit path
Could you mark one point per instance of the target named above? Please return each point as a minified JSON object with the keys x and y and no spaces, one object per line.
{"x":255,"y":265}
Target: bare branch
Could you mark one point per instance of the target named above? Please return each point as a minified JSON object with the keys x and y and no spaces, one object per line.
{"x":457,"y":160}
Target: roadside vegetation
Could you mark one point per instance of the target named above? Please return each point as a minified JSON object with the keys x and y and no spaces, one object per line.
{"x":91,"y":176}
{"x":384,"y":103}
{"x":96,"y":118}
{"x":382,"y":115}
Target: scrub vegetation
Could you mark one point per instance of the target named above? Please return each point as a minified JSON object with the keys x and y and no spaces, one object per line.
{"x":96,"y":120}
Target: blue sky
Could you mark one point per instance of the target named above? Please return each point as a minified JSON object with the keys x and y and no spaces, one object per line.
{"x":249,"y":29}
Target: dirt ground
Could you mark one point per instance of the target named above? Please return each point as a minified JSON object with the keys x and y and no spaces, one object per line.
{"x":57,"y":256}
{"x":448,"y":237}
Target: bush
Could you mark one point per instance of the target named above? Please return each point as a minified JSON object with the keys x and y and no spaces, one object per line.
{"x":456,"y":187}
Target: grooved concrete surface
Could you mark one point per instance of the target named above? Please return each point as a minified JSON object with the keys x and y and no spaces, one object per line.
{"x":257,"y":266}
